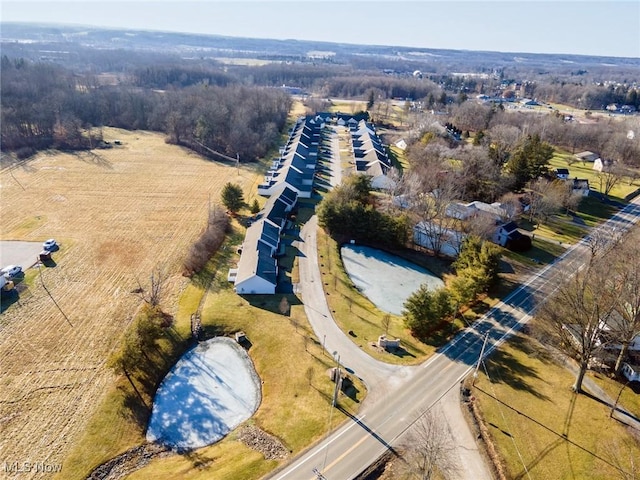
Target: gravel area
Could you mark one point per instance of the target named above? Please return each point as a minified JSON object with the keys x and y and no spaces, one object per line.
{"x":258,"y":440}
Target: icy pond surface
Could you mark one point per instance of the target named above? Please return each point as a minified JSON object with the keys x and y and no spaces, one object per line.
{"x":210,"y":391}
{"x":385,"y":279}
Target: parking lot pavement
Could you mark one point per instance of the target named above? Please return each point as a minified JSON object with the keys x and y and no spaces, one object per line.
{"x":24,"y":254}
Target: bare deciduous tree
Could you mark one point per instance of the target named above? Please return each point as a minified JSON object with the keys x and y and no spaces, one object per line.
{"x":511,"y":206}
{"x":429,"y":198}
{"x":581,"y":307}
{"x":386,"y":321}
{"x":429,"y":447}
{"x":626,"y":325}
{"x":152,"y":294}
{"x":545,"y":198}
{"x":609,"y":177}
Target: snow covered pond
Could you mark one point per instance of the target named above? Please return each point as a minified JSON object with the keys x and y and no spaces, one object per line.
{"x":210,"y":391}
{"x":387,"y":280}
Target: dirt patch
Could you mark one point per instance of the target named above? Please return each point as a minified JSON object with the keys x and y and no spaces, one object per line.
{"x":141,"y":205}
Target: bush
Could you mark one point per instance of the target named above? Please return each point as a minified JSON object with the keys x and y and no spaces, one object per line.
{"x":208,"y":243}
{"x":424,"y":310}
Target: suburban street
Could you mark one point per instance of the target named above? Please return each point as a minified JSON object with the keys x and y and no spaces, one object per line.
{"x":397,"y":396}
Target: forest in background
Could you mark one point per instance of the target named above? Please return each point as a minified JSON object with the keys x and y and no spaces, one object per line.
{"x":59,"y":85}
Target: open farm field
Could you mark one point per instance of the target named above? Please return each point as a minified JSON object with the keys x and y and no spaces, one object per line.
{"x":117,"y":213}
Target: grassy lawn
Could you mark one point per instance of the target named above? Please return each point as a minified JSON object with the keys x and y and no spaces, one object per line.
{"x":354,"y":312}
{"x":557,"y":228}
{"x":564,"y":159}
{"x":540,"y":426}
{"x":593,"y":211}
{"x":398,"y":158}
{"x":628,"y":398}
{"x":562,"y":227}
{"x":542,"y":252}
{"x":347,"y":106}
{"x":229,"y":459}
{"x":289,"y":359}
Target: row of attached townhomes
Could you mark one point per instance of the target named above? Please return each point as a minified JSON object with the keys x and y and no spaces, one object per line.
{"x":289,"y":178}
{"x":370,"y":155}
{"x":296,"y":166}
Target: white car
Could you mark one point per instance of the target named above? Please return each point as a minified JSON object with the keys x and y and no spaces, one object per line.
{"x":50,"y":244}
{"x":11,"y":270}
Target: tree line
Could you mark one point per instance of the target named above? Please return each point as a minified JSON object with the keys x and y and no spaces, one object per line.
{"x":502,"y":129}
{"x":47,"y":106}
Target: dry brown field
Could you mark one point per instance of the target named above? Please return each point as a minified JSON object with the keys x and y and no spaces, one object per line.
{"x":117,"y":214}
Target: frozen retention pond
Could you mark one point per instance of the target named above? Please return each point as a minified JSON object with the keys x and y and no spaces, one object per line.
{"x":385,"y":279}
{"x":210,"y":391}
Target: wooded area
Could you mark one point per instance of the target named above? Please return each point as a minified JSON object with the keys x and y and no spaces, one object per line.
{"x":60,"y":100}
{"x":48,"y":106}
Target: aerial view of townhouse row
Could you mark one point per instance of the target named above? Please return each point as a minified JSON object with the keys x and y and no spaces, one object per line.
{"x":259,"y":259}
{"x":291,"y":177}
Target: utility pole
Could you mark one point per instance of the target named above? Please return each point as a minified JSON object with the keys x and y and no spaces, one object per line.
{"x":238,"y":163}
{"x":338,"y":379}
{"x":318,"y":474}
{"x":475,"y":373}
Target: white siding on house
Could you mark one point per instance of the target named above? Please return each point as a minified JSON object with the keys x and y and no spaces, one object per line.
{"x":449,"y":242}
{"x":631,"y":372}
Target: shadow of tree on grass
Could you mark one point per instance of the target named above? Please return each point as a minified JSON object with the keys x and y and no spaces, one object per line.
{"x":503,"y":367}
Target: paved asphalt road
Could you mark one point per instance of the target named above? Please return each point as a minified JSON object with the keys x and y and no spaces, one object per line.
{"x":397,"y":396}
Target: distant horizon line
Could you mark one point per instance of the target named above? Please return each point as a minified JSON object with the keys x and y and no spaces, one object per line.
{"x":324,"y":42}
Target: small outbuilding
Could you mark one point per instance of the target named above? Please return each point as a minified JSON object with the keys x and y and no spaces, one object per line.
{"x":387,"y":343}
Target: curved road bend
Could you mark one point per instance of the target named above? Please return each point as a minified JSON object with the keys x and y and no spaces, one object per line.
{"x":398,"y":395}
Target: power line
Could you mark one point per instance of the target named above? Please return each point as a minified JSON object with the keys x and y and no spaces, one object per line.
{"x":51,"y":296}
{"x":513,"y":439}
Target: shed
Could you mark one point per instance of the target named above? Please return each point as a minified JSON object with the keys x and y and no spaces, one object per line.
{"x":388,"y":344}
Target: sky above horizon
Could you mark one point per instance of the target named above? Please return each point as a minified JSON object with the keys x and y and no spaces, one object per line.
{"x":587,"y":27}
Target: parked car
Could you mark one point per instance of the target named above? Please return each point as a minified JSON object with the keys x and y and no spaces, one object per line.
{"x":50,"y":244}
{"x":11,"y":270}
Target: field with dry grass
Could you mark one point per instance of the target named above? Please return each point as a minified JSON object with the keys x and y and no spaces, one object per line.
{"x":117,"y":214}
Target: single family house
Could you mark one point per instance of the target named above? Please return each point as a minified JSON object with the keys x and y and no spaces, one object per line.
{"x":562,"y":173}
{"x":507,"y":235}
